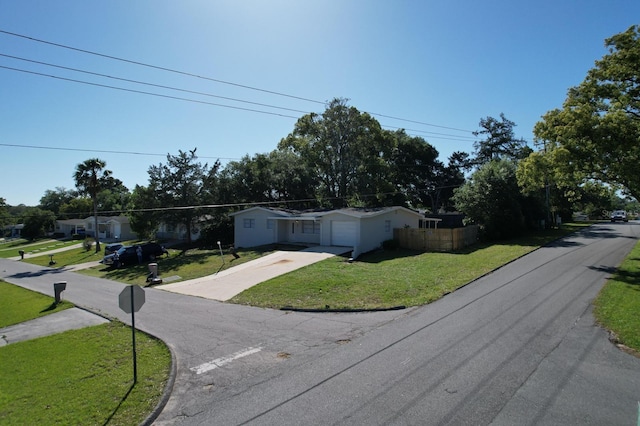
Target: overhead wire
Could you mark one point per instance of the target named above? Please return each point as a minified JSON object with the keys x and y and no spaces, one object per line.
{"x":213,"y":79}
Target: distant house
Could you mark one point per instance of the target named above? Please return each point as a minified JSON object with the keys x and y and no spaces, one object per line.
{"x":362,"y":230}
{"x":12,"y":231}
{"x":109,"y":227}
{"x":168,"y":231}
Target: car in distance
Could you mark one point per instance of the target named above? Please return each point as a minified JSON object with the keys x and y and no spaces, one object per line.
{"x":620,"y":215}
{"x":128,"y":255}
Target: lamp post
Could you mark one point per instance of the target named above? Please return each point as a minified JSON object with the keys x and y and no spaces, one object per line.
{"x":221,"y":255}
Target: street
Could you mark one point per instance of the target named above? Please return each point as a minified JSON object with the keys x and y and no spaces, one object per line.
{"x":518,"y":346}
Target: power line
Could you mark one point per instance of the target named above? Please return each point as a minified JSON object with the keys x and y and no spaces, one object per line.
{"x":105,"y":151}
{"x":145,"y":93}
{"x":149,"y":84}
{"x":115,"y":58}
{"x":213,"y":79}
{"x":453,"y":137}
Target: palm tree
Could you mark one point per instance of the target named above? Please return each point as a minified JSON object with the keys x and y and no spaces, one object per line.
{"x":90,"y":179}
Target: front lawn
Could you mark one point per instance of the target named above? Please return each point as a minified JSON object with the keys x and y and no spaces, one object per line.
{"x":389,"y":278}
{"x":80,"y":377}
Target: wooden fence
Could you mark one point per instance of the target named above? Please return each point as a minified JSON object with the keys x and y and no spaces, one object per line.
{"x":445,"y":239}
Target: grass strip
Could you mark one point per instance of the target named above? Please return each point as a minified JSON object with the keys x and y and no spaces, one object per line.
{"x":618,"y":303}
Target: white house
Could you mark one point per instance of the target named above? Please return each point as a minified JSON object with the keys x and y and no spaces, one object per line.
{"x":362,"y":230}
{"x":109,"y":227}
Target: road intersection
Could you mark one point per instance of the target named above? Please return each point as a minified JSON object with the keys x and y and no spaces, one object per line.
{"x":518,"y":346}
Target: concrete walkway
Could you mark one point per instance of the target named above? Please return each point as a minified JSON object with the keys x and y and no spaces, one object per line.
{"x":230,"y":282}
{"x":69,"y":319}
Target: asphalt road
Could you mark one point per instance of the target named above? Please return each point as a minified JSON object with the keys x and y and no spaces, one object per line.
{"x":518,"y":346}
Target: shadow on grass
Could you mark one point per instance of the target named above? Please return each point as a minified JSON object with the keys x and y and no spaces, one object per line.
{"x":124,"y":398}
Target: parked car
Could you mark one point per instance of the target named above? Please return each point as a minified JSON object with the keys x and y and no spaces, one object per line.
{"x":620,"y":215}
{"x":128,"y":255}
{"x":112,"y":248}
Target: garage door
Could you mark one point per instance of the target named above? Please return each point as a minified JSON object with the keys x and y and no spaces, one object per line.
{"x":343,"y":233}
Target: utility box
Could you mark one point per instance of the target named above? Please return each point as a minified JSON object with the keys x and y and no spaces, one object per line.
{"x":58,"y":288}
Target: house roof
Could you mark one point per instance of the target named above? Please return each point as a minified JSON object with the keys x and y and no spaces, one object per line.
{"x":316,"y":214}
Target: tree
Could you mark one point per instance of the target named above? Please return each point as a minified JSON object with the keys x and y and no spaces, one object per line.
{"x":599,"y":123}
{"x":90,"y":178}
{"x":179,"y":187}
{"x":499,"y":141}
{"x":414,"y":170}
{"x":346,"y":150}
{"x":37,"y":223}
{"x":491,"y":199}
{"x":145,"y":211}
{"x":4,"y":214}
{"x":53,"y":200}
{"x":280,"y":176}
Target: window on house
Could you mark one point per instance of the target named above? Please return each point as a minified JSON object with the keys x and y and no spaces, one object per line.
{"x":387,"y":226}
{"x":307,"y":227}
{"x":271,"y":223}
{"x":249,"y":223}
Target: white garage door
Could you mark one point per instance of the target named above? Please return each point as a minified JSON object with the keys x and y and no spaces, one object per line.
{"x":343,"y":233}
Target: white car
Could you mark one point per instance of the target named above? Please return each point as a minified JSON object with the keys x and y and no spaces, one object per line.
{"x":620,"y":215}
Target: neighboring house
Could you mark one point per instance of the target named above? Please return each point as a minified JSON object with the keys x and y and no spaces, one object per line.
{"x":109,"y":227}
{"x":69,"y":227}
{"x":12,"y":231}
{"x":179,"y":232}
{"x":362,"y":230}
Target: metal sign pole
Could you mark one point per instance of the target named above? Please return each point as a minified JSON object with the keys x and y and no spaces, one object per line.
{"x":133,"y":338}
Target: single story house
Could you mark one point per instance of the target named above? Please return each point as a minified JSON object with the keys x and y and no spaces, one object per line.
{"x":168,"y":231}
{"x":362,"y":230}
{"x":109,"y":227}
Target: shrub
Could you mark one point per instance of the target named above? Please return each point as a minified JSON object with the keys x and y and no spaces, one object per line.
{"x":390,"y":244}
{"x":87,"y":244}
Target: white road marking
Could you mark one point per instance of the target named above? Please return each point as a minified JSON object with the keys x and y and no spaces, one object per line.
{"x":212,"y":365}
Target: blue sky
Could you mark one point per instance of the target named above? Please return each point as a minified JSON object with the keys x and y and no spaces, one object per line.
{"x":441,"y":65}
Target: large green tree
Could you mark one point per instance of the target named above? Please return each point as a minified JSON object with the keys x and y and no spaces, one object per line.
{"x":498,"y":141}
{"x":599,"y":123}
{"x":37,"y":222}
{"x":53,"y":200}
{"x":346,"y":150}
{"x":90,"y":178}
{"x":491,"y":199}
{"x":180,"y":186}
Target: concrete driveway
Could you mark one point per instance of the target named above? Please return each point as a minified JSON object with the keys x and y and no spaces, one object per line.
{"x":226,"y":284}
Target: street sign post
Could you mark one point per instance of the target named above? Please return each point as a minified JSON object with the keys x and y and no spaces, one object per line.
{"x":131,"y":300}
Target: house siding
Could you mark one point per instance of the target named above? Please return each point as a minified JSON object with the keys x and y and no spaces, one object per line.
{"x":258,"y":235}
{"x":370,"y":228}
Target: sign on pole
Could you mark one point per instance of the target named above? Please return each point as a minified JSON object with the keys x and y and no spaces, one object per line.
{"x":131,"y":300}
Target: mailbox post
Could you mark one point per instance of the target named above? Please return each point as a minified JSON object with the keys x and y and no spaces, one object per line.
{"x":58,"y":288}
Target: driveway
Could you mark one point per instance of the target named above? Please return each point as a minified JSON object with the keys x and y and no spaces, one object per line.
{"x":230,"y":282}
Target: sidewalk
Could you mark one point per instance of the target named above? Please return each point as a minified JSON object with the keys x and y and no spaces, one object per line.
{"x":69,"y":319}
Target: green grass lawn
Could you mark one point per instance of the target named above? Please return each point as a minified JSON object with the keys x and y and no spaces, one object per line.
{"x":18,"y":305}
{"x":80,"y":376}
{"x":10,"y":249}
{"x":617,"y":307}
{"x":389,"y":278}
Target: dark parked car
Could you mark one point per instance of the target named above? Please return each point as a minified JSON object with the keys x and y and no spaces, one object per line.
{"x":128,"y":255}
{"x":112,"y":248}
